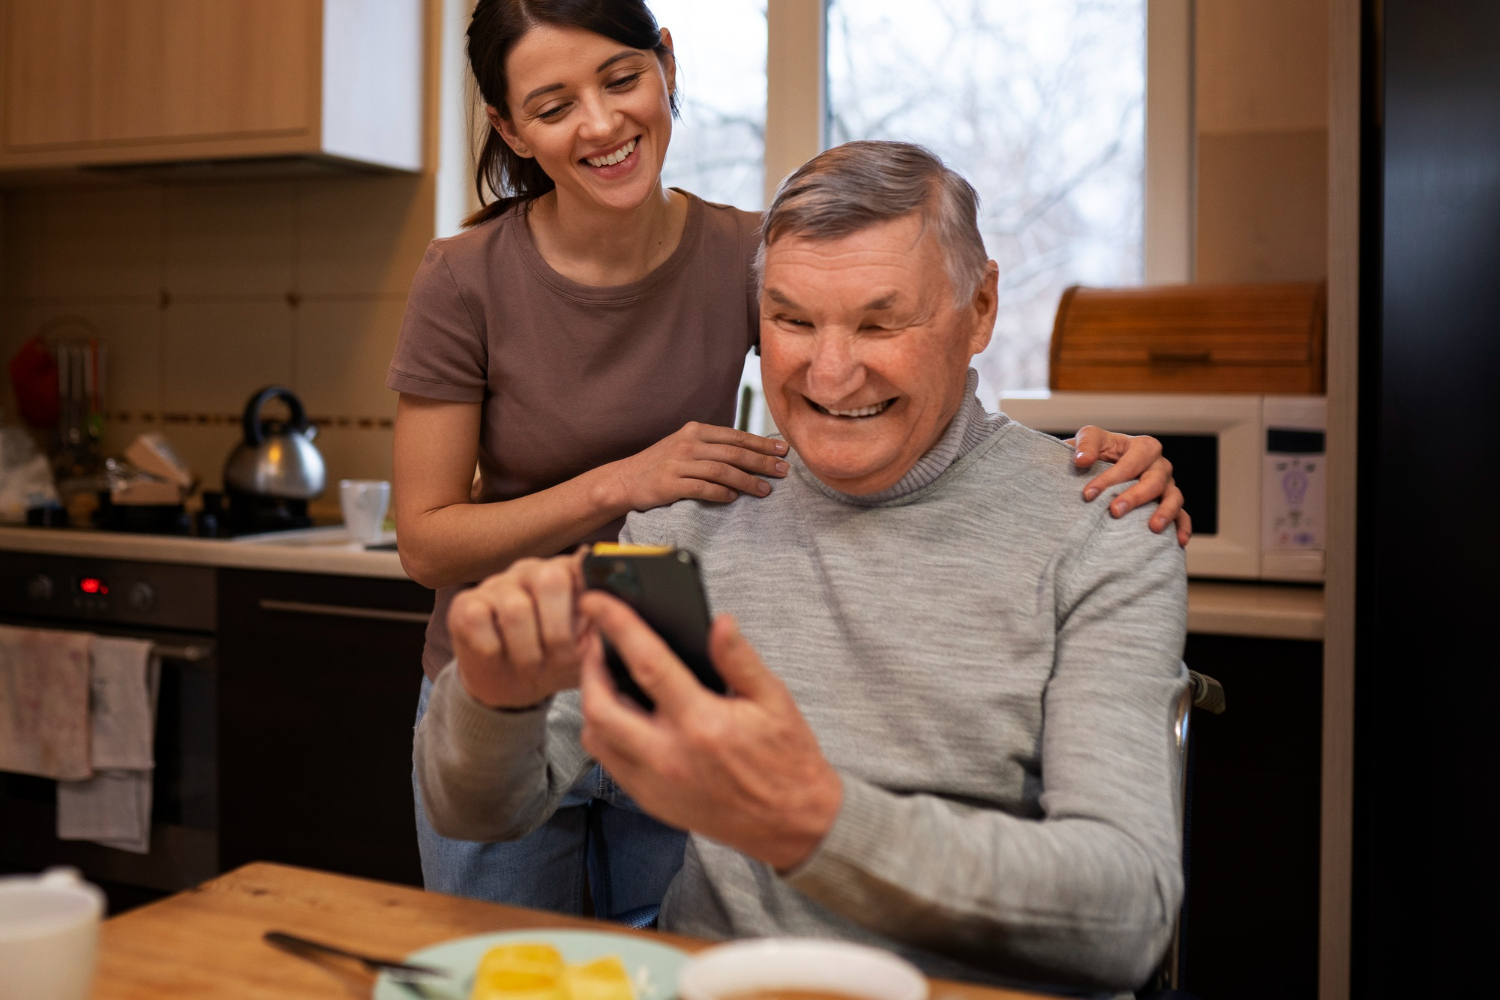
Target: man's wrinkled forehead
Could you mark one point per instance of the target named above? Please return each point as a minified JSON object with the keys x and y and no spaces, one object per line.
{"x":896,"y":257}
{"x":916,"y":222}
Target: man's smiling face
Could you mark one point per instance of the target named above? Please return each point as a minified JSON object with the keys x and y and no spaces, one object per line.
{"x":863,"y":353}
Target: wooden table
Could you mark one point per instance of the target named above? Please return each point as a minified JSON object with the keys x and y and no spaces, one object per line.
{"x":206,"y":942}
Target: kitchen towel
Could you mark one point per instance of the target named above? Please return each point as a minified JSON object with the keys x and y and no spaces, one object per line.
{"x":113,"y":807}
{"x":122,"y":705}
{"x":44,"y":702}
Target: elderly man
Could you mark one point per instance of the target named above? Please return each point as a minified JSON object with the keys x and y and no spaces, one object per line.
{"x":954,"y":680}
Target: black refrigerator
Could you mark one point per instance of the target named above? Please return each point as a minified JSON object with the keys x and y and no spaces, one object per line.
{"x":1427,"y":673}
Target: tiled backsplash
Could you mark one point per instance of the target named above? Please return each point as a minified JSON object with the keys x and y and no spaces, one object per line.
{"x":206,"y":292}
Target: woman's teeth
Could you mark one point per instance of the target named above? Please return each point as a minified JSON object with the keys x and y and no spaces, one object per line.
{"x":612,"y":158}
{"x":863,"y":411}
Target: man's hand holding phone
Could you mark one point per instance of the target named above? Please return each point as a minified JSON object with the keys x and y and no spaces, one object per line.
{"x":744,"y":770}
{"x":518,"y":636}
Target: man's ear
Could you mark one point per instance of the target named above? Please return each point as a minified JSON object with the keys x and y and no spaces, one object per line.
{"x":507,"y":130}
{"x":985,"y":308}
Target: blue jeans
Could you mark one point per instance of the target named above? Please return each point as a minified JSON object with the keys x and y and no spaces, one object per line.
{"x":597,"y":845}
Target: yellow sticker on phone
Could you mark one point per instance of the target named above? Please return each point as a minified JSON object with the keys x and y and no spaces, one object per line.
{"x":617,"y":549}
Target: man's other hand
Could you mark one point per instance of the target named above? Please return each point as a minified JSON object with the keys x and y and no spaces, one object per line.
{"x":517,"y":635}
{"x":744,"y":770}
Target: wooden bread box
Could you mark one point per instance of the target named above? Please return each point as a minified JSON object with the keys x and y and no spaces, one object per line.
{"x":1191,"y":338}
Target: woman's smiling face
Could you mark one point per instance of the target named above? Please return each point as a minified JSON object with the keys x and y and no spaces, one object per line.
{"x":595,"y":114}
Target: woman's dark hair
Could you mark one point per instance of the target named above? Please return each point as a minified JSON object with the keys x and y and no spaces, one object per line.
{"x":495,"y":28}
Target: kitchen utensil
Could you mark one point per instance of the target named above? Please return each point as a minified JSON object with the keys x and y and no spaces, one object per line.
{"x":276,"y":460}
{"x":313,"y":951}
{"x":838,"y":967}
{"x":49,"y":933}
{"x":80,"y":387}
{"x":364,"y":502}
{"x":653,"y":967}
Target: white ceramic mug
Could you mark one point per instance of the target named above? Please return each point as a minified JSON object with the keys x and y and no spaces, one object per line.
{"x":849,"y":970}
{"x":364,"y":502}
{"x":49,"y":934}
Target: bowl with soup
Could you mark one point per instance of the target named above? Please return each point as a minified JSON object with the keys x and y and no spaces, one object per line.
{"x":799,"y":969}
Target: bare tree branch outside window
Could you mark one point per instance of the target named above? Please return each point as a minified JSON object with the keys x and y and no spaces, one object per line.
{"x":718,"y":145}
{"x":1040,"y":103}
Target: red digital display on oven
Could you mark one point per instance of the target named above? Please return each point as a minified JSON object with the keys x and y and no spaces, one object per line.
{"x":93,"y":585}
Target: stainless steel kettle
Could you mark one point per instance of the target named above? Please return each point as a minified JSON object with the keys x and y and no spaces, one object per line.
{"x":276,"y":460}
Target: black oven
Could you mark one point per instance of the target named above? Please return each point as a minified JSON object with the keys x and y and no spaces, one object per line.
{"x":173,"y":607}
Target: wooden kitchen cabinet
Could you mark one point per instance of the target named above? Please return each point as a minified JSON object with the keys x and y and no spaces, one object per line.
{"x":116,"y":82}
{"x":318,"y":684}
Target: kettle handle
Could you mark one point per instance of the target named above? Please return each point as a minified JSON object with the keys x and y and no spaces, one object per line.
{"x":253,"y":433}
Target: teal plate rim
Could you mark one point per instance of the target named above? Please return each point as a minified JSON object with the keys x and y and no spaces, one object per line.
{"x":659,"y":962}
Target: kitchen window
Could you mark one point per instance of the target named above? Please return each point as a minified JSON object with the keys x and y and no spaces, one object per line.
{"x":1042,"y":104}
{"x":719,"y":144}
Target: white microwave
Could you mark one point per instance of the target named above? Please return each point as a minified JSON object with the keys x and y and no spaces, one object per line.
{"x":1252,"y":469}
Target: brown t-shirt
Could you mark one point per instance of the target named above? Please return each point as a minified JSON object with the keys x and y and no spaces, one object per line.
{"x":572,"y":376}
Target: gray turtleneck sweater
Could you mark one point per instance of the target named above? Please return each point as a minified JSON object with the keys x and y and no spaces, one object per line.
{"x":993,"y":667}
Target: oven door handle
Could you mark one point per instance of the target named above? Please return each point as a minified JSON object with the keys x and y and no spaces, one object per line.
{"x":192,"y":654}
{"x":344,"y":611}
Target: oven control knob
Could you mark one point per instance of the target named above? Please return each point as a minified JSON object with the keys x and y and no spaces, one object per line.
{"x":39,"y":587}
{"x":142,"y":596}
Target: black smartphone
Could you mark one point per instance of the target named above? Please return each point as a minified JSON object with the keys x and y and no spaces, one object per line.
{"x":664,"y":587}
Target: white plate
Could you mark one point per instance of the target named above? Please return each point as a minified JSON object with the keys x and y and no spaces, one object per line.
{"x":653,"y":966}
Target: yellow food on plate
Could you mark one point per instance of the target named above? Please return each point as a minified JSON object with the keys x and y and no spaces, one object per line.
{"x":520,"y":972}
{"x":601,"y":979}
{"x":538,"y":972}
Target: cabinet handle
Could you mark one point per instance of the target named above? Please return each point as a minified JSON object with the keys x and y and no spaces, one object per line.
{"x":343,"y":611}
{"x":1181,"y":357}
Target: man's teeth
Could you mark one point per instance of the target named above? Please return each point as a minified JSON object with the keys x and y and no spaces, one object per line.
{"x":612,"y":158}
{"x":863,"y":411}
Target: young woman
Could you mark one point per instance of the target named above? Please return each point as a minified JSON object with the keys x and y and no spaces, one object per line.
{"x":583,"y":339}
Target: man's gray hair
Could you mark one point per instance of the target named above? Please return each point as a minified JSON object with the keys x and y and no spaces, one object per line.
{"x":852,"y":187}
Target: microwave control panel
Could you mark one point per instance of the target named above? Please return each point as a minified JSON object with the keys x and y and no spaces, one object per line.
{"x":1294,"y":494}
